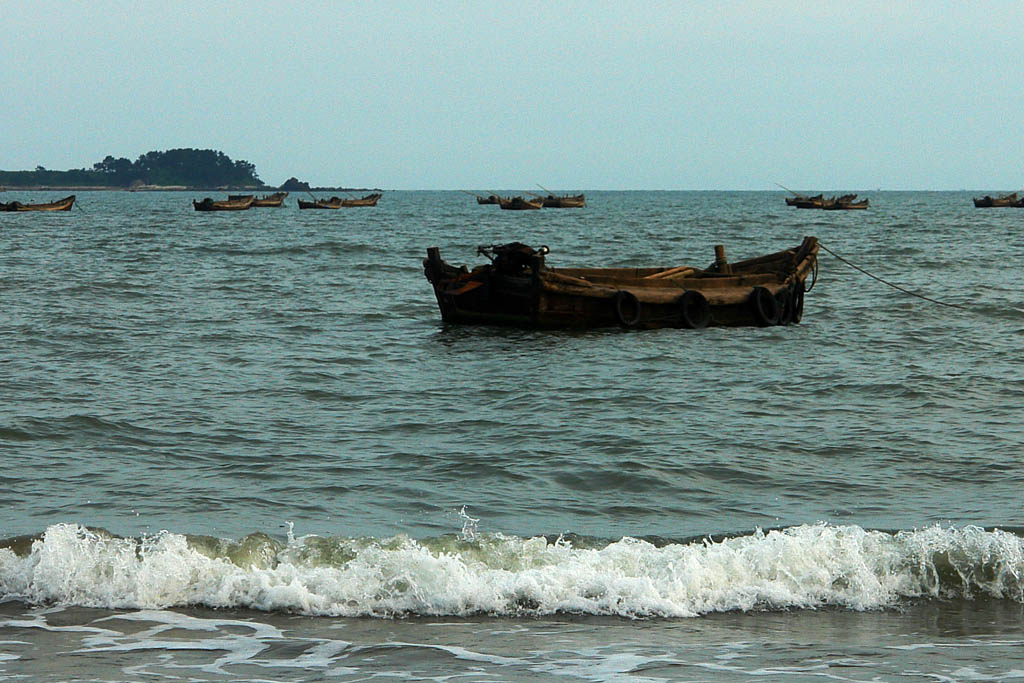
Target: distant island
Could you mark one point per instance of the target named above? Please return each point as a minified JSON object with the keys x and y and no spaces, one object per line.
{"x":174,"y":169}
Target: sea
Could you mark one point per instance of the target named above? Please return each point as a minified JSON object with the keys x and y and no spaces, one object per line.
{"x":242,"y":446}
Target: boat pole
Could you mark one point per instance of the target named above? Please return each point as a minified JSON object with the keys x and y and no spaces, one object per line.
{"x":720,"y":262}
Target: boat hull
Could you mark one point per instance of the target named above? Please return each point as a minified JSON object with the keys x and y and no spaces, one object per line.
{"x":59,"y":205}
{"x":846,"y":206}
{"x":208,"y":204}
{"x":568,"y":202}
{"x":998,"y":202}
{"x":768,"y":290}
{"x":368,"y":200}
{"x":844,"y":203}
{"x":338,"y":202}
{"x":520,"y":204}
{"x":303,"y":204}
{"x":270,"y":201}
{"x":802,"y":202}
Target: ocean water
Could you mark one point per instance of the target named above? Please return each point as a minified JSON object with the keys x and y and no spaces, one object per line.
{"x":243,"y":446}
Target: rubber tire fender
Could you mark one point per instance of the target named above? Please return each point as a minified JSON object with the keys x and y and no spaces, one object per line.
{"x":785,"y":300}
{"x":694,"y":310}
{"x":627,"y":308}
{"x":799,"y":289}
{"x":764,"y":307}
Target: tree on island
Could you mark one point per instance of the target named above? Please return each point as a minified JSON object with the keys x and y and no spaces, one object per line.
{"x":199,"y":168}
{"x":113,"y":166}
{"x":195,"y":167}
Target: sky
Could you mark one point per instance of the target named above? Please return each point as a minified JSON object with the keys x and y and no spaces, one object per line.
{"x":815,"y":95}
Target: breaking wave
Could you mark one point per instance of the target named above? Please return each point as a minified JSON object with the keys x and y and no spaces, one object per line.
{"x":803,"y":567}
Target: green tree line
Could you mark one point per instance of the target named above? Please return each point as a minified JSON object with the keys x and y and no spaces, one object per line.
{"x":205,"y":168}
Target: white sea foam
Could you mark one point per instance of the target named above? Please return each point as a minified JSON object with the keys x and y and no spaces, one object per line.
{"x":801,"y":567}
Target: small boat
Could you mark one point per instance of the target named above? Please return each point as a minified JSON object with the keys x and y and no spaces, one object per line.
{"x":520,"y":204}
{"x":270,"y":200}
{"x":338,"y":202}
{"x":518,"y":288}
{"x":988,"y":201}
{"x":802,"y":202}
{"x":240,"y":203}
{"x":575,"y":201}
{"x":368,"y":200}
{"x":332,"y":203}
{"x":59,"y":205}
{"x":490,"y":199}
{"x":845,"y":203}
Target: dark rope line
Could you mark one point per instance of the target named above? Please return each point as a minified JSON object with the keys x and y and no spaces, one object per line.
{"x":884,"y":282}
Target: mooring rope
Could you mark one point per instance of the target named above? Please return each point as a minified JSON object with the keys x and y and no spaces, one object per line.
{"x":894,"y":286}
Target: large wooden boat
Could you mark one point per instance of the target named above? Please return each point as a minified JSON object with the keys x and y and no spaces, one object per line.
{"x":59,"y":205}
{"x":368,"y":200}
{"x":1009,"y":200}
{"x":520,"y":204}
{"x":575,"y":201}
{"x":269,"y":200}
{"x":518,"y":288}
{"x":242,"y":203}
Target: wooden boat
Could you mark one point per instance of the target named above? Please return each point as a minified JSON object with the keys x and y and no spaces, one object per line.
{"x":338,"y":202}
{"x":575,"y":201}
{"x":332,"y":203}
{"x":845,"y":203}
{"x":490,"y":199}
{"x":59,"y":205}
{"x":518,"y":288}
{"x":802,"y":202}
{"x":368,"y":200}
{"x":841,"y":203}
{"x":988,"y":201}
{"x":242,"y":203}
{"x":520,"y":204}
{"x":270,"y":200}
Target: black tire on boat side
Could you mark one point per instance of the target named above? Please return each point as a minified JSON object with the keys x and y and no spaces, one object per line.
{"x":785,"y":300}
{"x":764,"y":306}
{"x":694,"y":311}
{"x":627,"y":308}
{"x":798,"y":302}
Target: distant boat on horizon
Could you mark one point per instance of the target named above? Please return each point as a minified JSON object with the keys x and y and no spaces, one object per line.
{"x":842,"y":203}
{"x":571,"y":201}
{"x":520,"y":204}
{"x":1007,"y":200}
